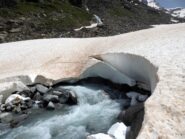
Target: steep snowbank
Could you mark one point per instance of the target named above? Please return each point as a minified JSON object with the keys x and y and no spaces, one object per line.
{"x":163,"y":46}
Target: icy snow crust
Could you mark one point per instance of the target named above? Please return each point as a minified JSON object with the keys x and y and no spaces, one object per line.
{"x":160,"y":49}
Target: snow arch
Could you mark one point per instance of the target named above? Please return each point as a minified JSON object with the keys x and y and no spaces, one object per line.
{"x":124,"y":68}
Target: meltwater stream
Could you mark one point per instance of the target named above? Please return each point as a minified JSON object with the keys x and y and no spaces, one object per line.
{"x":95,"y":113}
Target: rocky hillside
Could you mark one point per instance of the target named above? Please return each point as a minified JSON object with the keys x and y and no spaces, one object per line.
{"x":32,"y":19}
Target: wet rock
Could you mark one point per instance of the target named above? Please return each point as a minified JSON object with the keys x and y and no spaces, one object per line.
{"x":72,"y":100}
{"x":58,"y":93}
{"x":8,"y":107}
{"x":136,"y":125}
{"x":142,"y":98}
{"x":16,"y":99}
{"x":99,"y":136}
{"x":6,"y":117}
{"x":29,"y":103}
{"x":37,"y":96}
{"x":1,"y":99}
{"x":33,"y":89}
{"x":52,"y":98}
{"x":50,"y":106}
{"x":41,"y":88}
{"x":66,"y":96}
{"x":118,"y":131}
{"x":24,"y":107}
{"x":17,"y":109}
{"x":18,"y":119}
{"x":127,"y":116}
{"x":43,"y":80}
{"x":133,"y":96}
{"x":25,"y":93}
{"x":2,"y":108}
{"x":6,"y":88}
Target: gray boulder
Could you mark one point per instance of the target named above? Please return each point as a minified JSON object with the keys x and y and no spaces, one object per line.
{"x":7,"y":88}
{"x":17,"y":109}
{"x":41,"y":88}
{"x":50,"y":106}
{"x":43,"y":80}
{"x":52,"y":98}
{"x":128,"y":116}
{"x":6,"y":117}
{"x":37,"y":96}
{"x":2,"y":108}
{"x":72,"y":98}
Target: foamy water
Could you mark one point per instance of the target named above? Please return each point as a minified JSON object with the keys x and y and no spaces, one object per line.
{"x":95,"y":112}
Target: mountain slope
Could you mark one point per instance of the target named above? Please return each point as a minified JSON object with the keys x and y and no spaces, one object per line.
{"x":56,"y":18}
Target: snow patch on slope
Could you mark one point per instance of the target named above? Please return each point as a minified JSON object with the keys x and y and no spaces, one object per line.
{"x":151,"y":3}
{"x":177,"y":12}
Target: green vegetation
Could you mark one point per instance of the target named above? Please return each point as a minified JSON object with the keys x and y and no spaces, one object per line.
{"x":120,"y":11}
{"x":55,"y":15}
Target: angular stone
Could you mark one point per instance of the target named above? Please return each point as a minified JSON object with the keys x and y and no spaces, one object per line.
{"x":7,"y":88}
{"x":50,"y":106}
{"x":133,"y":96}
{"x":41,"y":88}
{"x":9,"y":108}
{"x":118,"y":131}
{"x":29,"y":103}
{"x":3,"y":107}
{"x":15,"y":99}
{"x":17,"y":109}
{"x":1,"y":99}
{"x":52,"y":98}
{"x":136,"y":125}
{"x":33,"y":89}
{"x":37,"y":96}
{"x":58,"y":93}
{"x":72,"y":98}
{"x":127,"y":116}
{"x":99,"y":136}
{"x":43,"y":80}
{"x":142,"y":98}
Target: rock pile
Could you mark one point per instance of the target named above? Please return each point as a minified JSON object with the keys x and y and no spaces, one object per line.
{"x":19,"y":96}
{"x":131,"y":118}
{"x":18,"y":99}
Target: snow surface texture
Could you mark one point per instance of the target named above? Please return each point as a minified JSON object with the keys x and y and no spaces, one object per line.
{"x":163,"y":46}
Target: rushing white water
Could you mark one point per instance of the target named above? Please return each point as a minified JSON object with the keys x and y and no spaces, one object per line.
{"x":95,"y":112}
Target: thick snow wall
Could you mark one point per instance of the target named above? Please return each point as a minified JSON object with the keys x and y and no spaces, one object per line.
{"x":124,"y":68}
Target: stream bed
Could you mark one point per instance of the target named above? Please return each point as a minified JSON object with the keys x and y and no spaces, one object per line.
{"x":94,"y":113}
